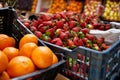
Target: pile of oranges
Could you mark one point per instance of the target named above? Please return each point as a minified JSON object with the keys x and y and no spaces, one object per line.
{"x":26,"y":59}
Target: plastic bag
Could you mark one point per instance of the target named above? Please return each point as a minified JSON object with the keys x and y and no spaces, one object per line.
{"x":110,"y":36}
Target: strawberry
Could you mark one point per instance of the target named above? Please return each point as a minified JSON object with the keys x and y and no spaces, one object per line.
{"x":85,"y":40}
{"x":82,"y":24}
{"x":90,"y":26}
{"x":81,"y":34}
{"x":96,"y":47}
{"x":70,"y":43}
{"x":33,"y":28}
{"x":100,"y":40}
{"x":47,"y":23}
{"x":34,"y":23}
{"x":50,"y":32}
{"x":75,"y":41}
{"x":96,"y":25}
{"x":45,"y":17}
{"x":63,"y":36}
{"x":90,"y":36}
{"x":71,"y":24}
{"x":57,"y":41}
{"x":27,"y":24}
{"x":85,"y":30}
{"x":63,"y":15}
{"x":65,"y":26}
{"x":85,"y":68}
{"x":39,"y":26}
{"x":46,"y":38}
{"x":76,"y":29}
{"x":102,"y":27}
{"x":104,"y":46}
{"x":58,"y":31}
{"x":107,"y":26}
{"x":80,"y":42}
{"x":59,"y":24}
{"x":40,"y":21}
{"x":43,"y":29}
{"x":74,"y":68}
{"x":38,"y":34}
{"x":57,"y":16}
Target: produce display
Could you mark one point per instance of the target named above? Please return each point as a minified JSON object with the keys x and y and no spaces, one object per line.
{"x":26,"y":59}
{"x":34,"y":4}
{"x":69,"y":30}
{"x":74,"y":6}
{"x":111,"y":12}
{"x":57,"y":6}
{"x":91,"y":7}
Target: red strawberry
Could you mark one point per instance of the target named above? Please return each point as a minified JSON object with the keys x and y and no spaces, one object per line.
{"x":57,"y":16}
{"x":45,"y":17}
{"x":80,"y":42}
{"x":85,"y":67}
{"x":100,"y":40}
{"x":96,"y":25}
{"x":63,"y":36}
{"x":107,"y":26}
{"x":46,"y":38}
{"x":70,"y":43}
{"x":75,"y":41}
{"x":71,"y":24}
{"x":40,"y":21}
{"x":63,"y":15}
{"x":38,"y":34}
{"x":66,"y":27}
{"x":85,"y":30}
{"x":83,"y":24}
{"x":27,"y":24}
{"x":34,"y":23}
{"x":39,"y":26}
{"x":104,"y":46}
{"x":33,"y":28}
{"x":47,"y":23}
{"x":58,"y":31}
{"x":102,"y":27}
{"x":43,"y":29}
{"x":76,"y":29}
{"x":60,"y":24}
{"x":85,"y":40}
{"x":90,"y":36}
{"x":96,"y":47}
{"x":50,"y":32}
{"x":57,"y":41}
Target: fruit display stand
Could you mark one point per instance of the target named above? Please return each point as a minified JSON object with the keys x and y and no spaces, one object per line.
{"x":11,"y":26}
{"x":82,"y":63}
{"x":112,"y":8}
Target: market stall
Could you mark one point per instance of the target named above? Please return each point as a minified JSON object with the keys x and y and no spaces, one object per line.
{"x":68,"y":39}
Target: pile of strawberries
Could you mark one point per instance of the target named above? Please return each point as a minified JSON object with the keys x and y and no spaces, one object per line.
{"x":68,"y":29}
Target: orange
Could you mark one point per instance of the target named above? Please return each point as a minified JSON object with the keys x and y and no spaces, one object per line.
{"x":28,"y":38}
{"x":3,"y":61}
{"x":4,"y":76}
{"x":6,"y":41}
{"x":19,"y":66}
{"x":55,"y":59}
{"x":27,"y":48}
{"x":11,"y":52}
{"x":42,"y":57}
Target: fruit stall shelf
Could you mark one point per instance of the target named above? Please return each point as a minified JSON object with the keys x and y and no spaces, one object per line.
{"x":111,"y":12}
{"x":9,"y":25}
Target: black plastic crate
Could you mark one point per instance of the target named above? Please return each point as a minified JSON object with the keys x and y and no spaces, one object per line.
{"x":12,"y":27}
